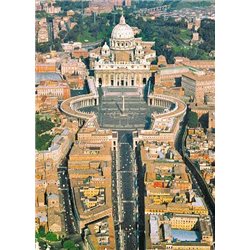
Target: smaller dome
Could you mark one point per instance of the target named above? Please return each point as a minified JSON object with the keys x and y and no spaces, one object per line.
{"x":105,"y":46}
{"x":105,"y":50}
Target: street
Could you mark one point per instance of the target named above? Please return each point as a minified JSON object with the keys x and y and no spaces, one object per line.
{"x":69,"y":220}
{"x":126,"y":186}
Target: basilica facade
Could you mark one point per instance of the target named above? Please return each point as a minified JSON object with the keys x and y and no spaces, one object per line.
{"x":125,"y":61}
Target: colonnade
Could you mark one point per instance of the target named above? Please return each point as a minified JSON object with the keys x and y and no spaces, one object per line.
{"x":85,"y":103}
{"x":159,"y":102}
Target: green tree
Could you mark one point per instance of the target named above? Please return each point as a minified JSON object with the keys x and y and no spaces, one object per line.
{"x":204,"y":120}
{"x":192,"y":119}
{"x":62,"y":34}
{"x":43,"y":125}
{"x":41,"y":14}
{"x":43,"y":142}
{"x":40,"y":233}
{"x":68,"y":244}
{"x":43,"y":47}
{"x":57,"y":45}
{"x":168,"y":53}
{"x":51,"y":236}
{"x":207,"y":33}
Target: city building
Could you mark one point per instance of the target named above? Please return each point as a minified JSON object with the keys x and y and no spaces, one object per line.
{"x":200,"y":145}
{"x":193,"y":16}
{"x":175,"y":216}
{"x":45,"y":67}
{"x":54,"y":88}
{"x":211,"y":120}
{"x":51,"y":9}
{"x":99,"y":6}
{"x":195,"y":37}
{"x":77,"y":53}
{"x":70,"y":46}
{"x":46,"y":103}
{"x":207,"y":65}
{"x":75,"y":81}
{"x":73,"y":67}
{"x":89,"y":165}
{"x":70,"y":13}
{"x":162,"y":61}
{"x":105,"y":6}
{"x":47,"y":200}
{"x":47,"y":76}
{"x":121,"y":3}
{"x":38,"y":6}
{"x":43,"y":35}
{"x":59,"y":147}
{"x":197,"y":84}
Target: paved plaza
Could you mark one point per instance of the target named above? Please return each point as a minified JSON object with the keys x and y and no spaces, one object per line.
{"x":136,"y":113}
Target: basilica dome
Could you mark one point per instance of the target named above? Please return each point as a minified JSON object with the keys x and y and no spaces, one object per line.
{"x":122,"y":30}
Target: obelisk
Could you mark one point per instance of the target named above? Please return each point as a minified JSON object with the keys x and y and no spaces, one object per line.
{"x":123,"y":104}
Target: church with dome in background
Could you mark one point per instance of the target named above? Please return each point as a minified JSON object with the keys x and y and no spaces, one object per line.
{"x":125,"y":61}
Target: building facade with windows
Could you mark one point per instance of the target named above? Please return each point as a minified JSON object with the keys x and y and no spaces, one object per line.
{"x":125,"y":61}
{"x":58,"y":89}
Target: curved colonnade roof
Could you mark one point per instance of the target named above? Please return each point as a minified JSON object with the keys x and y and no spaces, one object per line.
{"x":67,"y":107}
{"x":180,"y":110}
